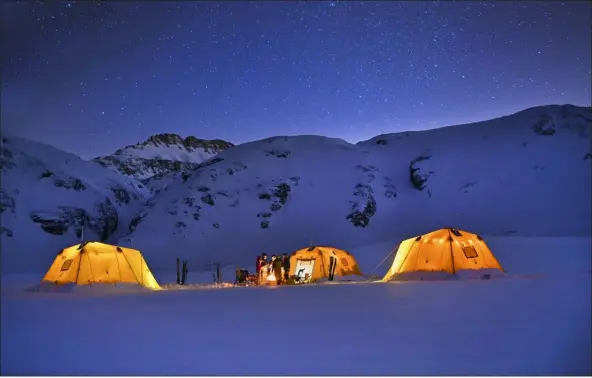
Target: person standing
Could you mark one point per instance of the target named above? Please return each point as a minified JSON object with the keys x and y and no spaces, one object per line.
{"x":264,"y":260}
{"x":258,"y":265}
{"x":277,"y":269}
{"x":286,"y":265}
{"x":270,"y":265}
{"x":263,"y":268}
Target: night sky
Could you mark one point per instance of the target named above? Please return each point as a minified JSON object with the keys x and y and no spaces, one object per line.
{"x":92,"y":77}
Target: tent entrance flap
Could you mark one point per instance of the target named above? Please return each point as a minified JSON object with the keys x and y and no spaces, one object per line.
{"x":304,"y":267}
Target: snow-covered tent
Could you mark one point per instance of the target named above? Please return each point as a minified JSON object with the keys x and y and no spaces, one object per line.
{"x":97,"y":263}
{"x":447,"y":250}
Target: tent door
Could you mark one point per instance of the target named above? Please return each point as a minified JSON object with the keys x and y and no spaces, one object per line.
{"x":304,"y":269}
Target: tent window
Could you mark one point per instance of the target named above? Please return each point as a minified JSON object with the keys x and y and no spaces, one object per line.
{"x":418,"y":238}
{"x":66,"y":265}
{"x":344,"y":261}
{"x":119,"y":249}
{"x":455,"y":232}
{"x":470,"y":252}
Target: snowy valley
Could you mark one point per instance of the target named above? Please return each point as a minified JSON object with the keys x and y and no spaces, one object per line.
{"x":515,"y":176}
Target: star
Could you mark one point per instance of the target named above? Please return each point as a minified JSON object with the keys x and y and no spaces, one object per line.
{"x":286,"y":67}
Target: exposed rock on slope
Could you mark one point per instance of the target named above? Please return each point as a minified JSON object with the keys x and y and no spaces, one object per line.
{"x":162,"y":154}
{"x":49,"y":198}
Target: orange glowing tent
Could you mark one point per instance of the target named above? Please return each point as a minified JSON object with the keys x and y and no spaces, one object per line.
{"x":98,"y":263}
{"x":315,"y":261}
{"x":447,"y":250}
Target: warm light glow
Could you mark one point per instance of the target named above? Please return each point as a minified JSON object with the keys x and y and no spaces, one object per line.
{"x":271,"y":277}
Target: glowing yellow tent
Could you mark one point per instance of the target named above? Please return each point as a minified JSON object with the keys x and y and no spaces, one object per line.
{"x":315,"y":261}
{"x":447,"y":250}
{"x":94,"y":262}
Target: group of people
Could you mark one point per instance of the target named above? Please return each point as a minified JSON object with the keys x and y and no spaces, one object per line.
{"x":278,"y":266}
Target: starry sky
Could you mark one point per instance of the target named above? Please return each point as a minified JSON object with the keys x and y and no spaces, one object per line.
{"x":92,"y":77}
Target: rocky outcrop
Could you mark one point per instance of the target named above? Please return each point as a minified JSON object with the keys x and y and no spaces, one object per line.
{"x":363,"y":208}
{"x":102,"y":219}
{"x":190,"y":142}
{"x":162,"y":154}
{"x":418,"y":176}
{"x":545,"y":126}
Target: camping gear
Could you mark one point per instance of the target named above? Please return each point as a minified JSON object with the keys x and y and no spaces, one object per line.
{"x":301,"y":277}
{"x":243,"y":278}
{"x":447,"y":250}
{"x":184,"y":273}
{"x":332,"y":264}
{"x":333,"y":270}
{"x":98,"y":263}
{"x":218,"y":273}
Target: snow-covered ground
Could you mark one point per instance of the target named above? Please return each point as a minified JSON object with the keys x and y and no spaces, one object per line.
{"x":535,"y":321}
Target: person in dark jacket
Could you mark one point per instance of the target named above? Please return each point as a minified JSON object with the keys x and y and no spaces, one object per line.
{"x":286,"y":265}
{"x":271,"y":263}
{"x":258,"y":265}
{"x":277,"y":270}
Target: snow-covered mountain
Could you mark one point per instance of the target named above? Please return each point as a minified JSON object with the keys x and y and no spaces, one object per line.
{"x":48,"y":198}
{"x":161,"y":154}
{"x":526,"y":174}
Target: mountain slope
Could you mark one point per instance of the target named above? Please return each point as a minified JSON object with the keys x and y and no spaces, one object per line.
{"x":525,"y":174}
{"x":47,"y":197}
{"x":162,"y":153}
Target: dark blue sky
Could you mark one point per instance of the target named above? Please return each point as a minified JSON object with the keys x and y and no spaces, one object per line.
{"x":91,"y":77}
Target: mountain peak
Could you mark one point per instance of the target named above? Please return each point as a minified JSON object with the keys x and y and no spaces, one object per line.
{"x":163,"y":138}
{"x":190,"y":142}
{"x":162,"y":153}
